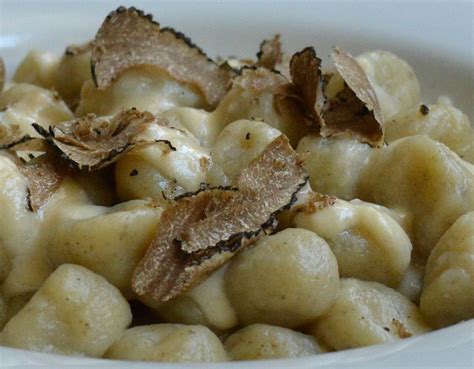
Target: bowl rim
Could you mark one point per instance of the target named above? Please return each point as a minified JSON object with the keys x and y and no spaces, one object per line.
{"x":459,"y":333}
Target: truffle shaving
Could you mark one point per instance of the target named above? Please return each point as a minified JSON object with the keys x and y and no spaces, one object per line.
{"x":129,"y":37}
{"x":200,"y":232}
{"x":270,"y":55}
{"x":286,"y":101}
{"x":43,"y":170}
{"x":92,"y":143}
{"x":305,"y":71}
{"x":356,"y":108}
{"x":43,"y":179}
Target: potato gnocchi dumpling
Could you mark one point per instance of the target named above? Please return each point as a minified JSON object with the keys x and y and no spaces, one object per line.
{"x":368,"y":244}
{"x":66,"y":315}
{"x":410,"y":175}
{"x":207,"y":304}
{"x":162,"y":171}
{"x":168,"y":342}
{"x":441,"y":122}
{"x":23,"y":104}
{"x":261,"y":293}
{"x":262,"y":341}
{"x":425,"y":178}
{"x":411,"y":284}
{"x":73,"y":70}
{"x":26,"y":266}
{"x":37,"y":68}
{"x":239,"y":143}
{"x":368,"y":313}
{"x":448,"y":294}
{"x":89,"y":235}
{"x":201,"y":123}
{"x":394,"y":82}
{"x":335,"y":164}
{"x":143,"y":88}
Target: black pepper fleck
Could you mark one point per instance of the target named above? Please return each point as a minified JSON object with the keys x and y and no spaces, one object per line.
{"x":247,"y":136}
{"x":133,"y":173}
{"x":424,"y":109}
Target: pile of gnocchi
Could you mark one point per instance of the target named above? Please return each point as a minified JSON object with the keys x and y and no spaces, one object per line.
{"x":157,"y":205}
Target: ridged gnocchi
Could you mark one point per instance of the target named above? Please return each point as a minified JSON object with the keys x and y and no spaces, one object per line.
{"x":23,"y":104}
{"x":368,"y":313}
{"x":168,"y":342}
{"x":448,"y":296}
{"x":368,"y":244}
{"x":261,"y":341}
{"x":142,"y":88}
{"x":66,"y":315}
{"x":261,"y":293}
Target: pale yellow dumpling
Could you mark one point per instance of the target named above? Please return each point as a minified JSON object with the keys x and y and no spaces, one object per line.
{"x":107,"y":240}
{"x":261,"y":281}
{"x":394,"y":82}
{"x":168,"y":343}
{"x":144,"y":88}
{"x":162,"y":171}
{"x":368,"y":243}
{"x":206,"y":304}
{"x":37,"y":68}
{"x":334,"y":164}
{"x":239,"y":143}
{"x":24,"y":104}
{"x":368,"y":313}
{"x":448,"y":295}
{"x":75,"y":312}
{"x":441,"y":122}
{"x":262,"y":341}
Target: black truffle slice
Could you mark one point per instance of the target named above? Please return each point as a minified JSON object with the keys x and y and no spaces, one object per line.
{"x":356,"y":109}
{"x":305,"y":71}
{"x":92,"y":143}
{"x":129,"y":37}
{"x":269,"y":55}
{"x":199,"y":233}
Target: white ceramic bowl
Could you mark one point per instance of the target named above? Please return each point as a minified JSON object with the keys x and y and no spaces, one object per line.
{"x":436,"y":38}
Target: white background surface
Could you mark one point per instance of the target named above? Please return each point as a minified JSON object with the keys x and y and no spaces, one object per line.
{"x":436,"y":38}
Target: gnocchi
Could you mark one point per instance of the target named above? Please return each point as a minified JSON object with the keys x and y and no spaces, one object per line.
{"x":261,"y":341}
{"x":65,"y":316}
{"x":447,"y":297}
{"x":368,"y":313}
{"x":368,"y":244}
{"x":168,"y":342}
{"x":259,"y":291}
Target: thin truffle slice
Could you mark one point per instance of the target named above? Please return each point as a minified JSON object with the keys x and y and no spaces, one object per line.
{"x":43,"y":176}
{"x":129,"y":37}
{"x":269,"y":55}
{"x":2,"y":74}
{"x":287,"y":104}
{"x":93,"y":143}
{"x":199,"y":233}
{"x":356,"y":108}
{"x":305,"y":71}
{"x":43,"y":171}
